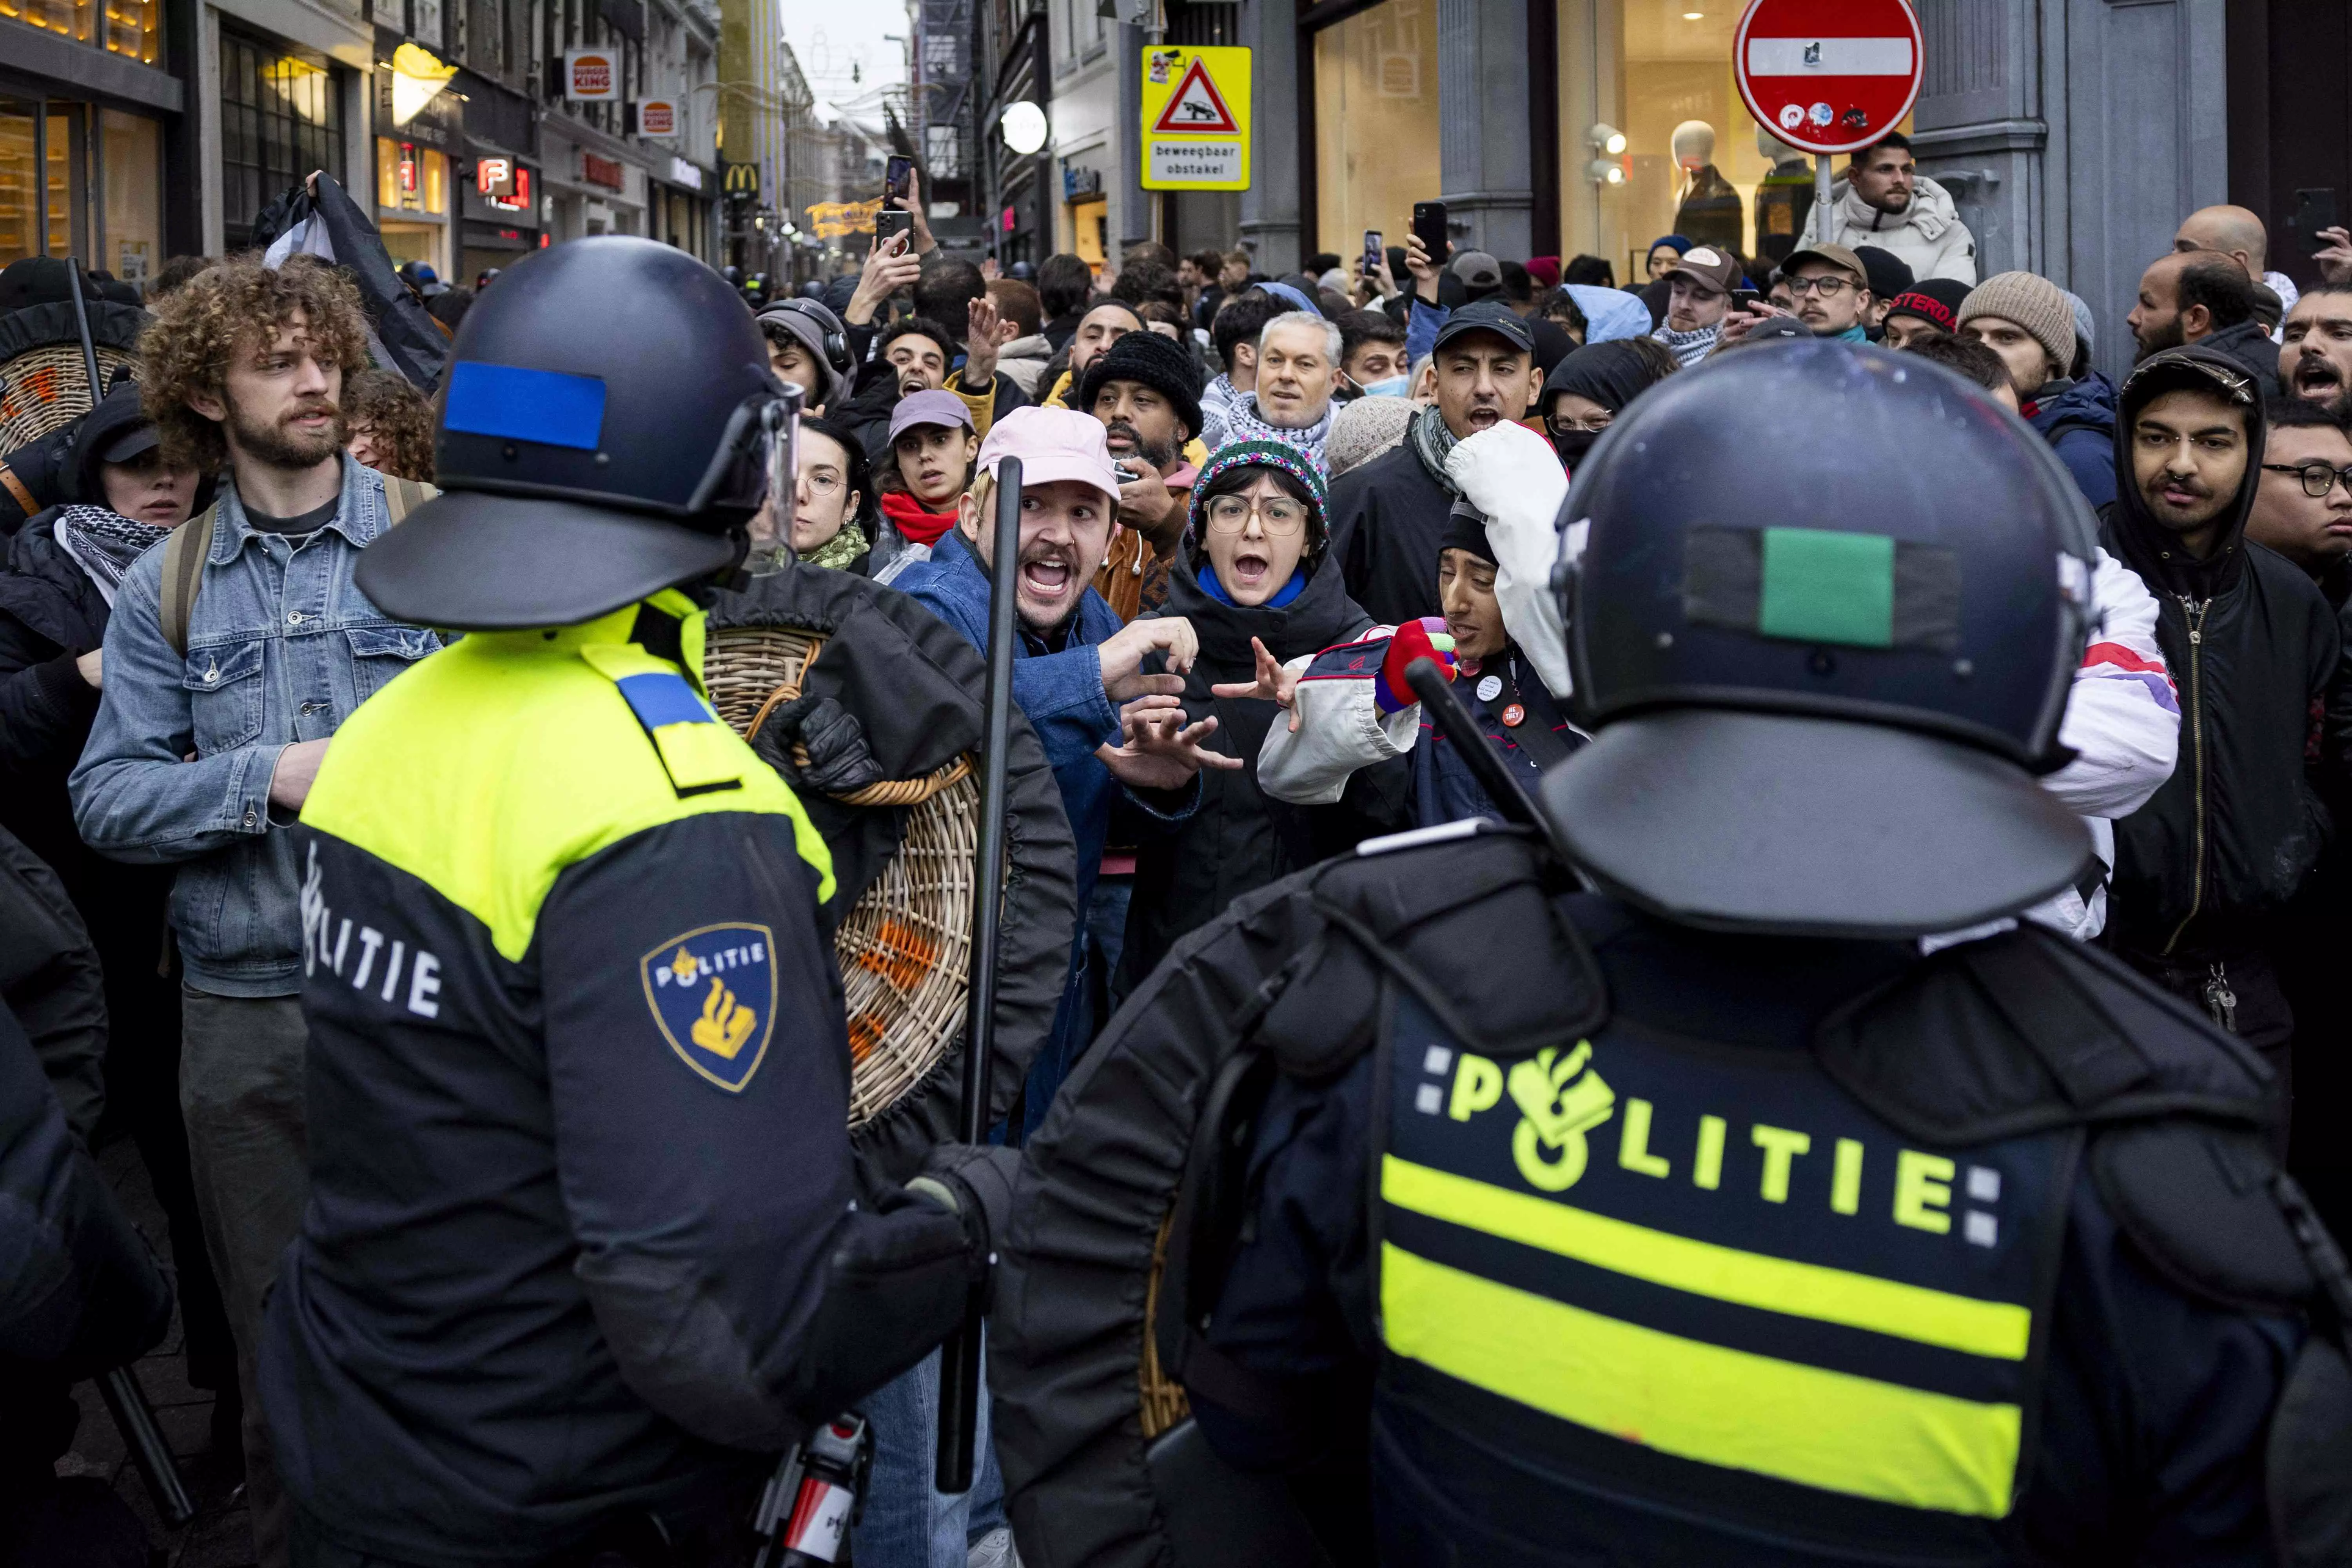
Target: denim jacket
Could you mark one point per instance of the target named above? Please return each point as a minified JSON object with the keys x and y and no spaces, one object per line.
{"x":281,"y":648}
{"x":1061,"y":695}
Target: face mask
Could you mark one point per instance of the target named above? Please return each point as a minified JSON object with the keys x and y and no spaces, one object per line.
{"x":1572,"y":446}
{"x":1394,"y":386}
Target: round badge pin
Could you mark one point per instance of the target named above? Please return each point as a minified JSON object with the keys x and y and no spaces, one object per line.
{"x":1514,"y":716}
{"x":1792,"y":116}
{"x":1490,"y":689}
{"x":1821,"y":114}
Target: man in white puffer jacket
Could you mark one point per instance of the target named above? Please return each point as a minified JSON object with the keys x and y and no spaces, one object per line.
{"x":1884,"y":201}
{"x":2122,"y":719}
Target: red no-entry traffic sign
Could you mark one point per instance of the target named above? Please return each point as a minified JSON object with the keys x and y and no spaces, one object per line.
{"x":1828,"y":76}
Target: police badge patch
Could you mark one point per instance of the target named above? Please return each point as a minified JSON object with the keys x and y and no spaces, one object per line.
{"x":713,"y":994}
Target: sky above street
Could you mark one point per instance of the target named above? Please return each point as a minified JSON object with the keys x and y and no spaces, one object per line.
{"x":828,"y":37}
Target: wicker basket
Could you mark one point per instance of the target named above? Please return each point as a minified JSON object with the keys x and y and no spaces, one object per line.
{"x":48,"y":388}
{"x":904,"y":947}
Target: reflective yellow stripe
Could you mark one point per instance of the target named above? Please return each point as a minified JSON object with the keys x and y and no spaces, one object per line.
{"x":1997,"y":1329}
{"x":1701,"y":1402}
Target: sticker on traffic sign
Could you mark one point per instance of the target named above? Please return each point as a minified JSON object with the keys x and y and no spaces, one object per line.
{"x":1831,"y":75}
{"x":1196,"y":119}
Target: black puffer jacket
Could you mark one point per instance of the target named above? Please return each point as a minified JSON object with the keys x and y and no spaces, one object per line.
{"x":2255,"y":653}
{"x":1238,"y":840}
{"x":50,"y":613}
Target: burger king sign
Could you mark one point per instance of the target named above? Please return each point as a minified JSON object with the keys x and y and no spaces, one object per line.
{"x":592,"y":76}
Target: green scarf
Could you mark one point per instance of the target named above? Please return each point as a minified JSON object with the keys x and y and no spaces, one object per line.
{"x":1432,"y":440}
{"x":839,"y":551}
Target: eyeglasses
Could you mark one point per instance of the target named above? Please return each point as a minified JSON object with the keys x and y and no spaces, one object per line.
{"x":2318,"y":479}
{"x":1574,"y":427}
{"x":821,"y":484}
{"x":1827,"y":287}
{"x":1281,"y":516}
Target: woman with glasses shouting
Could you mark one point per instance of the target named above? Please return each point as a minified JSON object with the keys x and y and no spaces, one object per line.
{"x":1254,"y":577}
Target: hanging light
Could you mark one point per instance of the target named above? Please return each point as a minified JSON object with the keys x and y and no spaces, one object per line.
{"x":1023,"y":125}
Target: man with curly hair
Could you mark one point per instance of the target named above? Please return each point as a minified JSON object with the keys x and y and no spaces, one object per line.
{"x":222,"y":685}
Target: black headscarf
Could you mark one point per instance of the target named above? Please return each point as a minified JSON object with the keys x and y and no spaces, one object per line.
{"x":2145,"y":545}
{"x":1611,"y":374}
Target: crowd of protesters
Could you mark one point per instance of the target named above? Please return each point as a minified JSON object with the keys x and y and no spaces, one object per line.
{"x":1248,"y":499}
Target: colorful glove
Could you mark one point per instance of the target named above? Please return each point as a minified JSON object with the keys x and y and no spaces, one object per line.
{"x":1425,"y":638}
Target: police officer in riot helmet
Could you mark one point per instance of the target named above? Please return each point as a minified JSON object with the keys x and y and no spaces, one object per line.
{"x":1706,"y":1217}
{"x":585,"y":1250}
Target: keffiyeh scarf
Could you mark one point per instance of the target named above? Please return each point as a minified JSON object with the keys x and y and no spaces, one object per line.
{"x":1688,"y":347}
{"x":1432,"y":441}
{"x":104,"y":544}
{"x":840,"y":549}
{"x":1241,"y":422}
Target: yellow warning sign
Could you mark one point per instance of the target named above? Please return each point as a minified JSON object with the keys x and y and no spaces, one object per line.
{"x":1196,"y":119}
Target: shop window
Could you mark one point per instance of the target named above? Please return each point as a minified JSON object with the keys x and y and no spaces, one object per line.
{"x":281,"y":117}
{"x":1376,"y":109}
{"x":1694,"y":163}
{"x":129,"y":27}
{"x":132,"y":151}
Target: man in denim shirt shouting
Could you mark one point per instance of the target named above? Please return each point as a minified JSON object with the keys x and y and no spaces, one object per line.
{"x":220,"y":694}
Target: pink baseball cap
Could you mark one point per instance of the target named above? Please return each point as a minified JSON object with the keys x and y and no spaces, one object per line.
{"x":1052,"y":444}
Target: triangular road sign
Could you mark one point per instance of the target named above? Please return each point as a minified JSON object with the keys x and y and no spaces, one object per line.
{"x":1197,"y":106}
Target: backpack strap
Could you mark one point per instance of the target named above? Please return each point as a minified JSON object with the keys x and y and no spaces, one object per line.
{"x":402,"y":497}
{"x":17,"y":490}
{"x":183,"y":573}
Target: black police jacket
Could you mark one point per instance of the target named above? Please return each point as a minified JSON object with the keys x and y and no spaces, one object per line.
{"x":2170,"y":1403}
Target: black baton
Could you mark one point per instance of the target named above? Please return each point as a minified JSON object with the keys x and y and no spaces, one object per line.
{"x":960,"y":1356}
{"x":81,"y":325}
{"x":127,"y":1403}
{"x":1454,"y":721}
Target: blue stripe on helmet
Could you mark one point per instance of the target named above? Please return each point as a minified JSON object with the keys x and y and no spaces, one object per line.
{"x":519,"y":405}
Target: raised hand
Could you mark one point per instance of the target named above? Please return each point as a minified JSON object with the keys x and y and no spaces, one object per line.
{"x":1274,"y":684}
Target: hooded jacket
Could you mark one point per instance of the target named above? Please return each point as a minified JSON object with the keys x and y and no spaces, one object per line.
{"x":2078,"y":419}
{"x":1240,"y":839}
{"x":2252,"y":647}
{"x":1024,"y":361}
{"x":2250,"y":348}
{"x":1927,"y":235}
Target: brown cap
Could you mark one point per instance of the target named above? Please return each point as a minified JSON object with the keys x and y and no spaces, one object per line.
{"x":1706,"y":264}
{"x":1837,"y":256}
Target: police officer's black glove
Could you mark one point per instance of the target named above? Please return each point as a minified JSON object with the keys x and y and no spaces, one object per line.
{"x":839,"y":761}
{"x":975,"y":1180}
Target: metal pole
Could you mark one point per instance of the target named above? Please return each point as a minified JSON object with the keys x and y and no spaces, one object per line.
{"x":81,"y":325}
{"x":127,"y":1403}
{"x":1824,"y":230}
{"x":960,"y":1356}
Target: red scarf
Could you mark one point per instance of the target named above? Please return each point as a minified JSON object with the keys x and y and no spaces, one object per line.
{"x":922,"y":527}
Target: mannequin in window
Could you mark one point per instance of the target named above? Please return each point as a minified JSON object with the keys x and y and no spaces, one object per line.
{"x":1711,"y":212}
{"x":1781,"y":197}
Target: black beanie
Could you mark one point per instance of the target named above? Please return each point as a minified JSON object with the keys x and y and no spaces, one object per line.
{"x":1161,"y":363}
{"x":1465,"y":529}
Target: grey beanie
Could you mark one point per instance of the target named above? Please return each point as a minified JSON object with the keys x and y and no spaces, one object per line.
{"x":2035,"y":303}
{"x":1364,"y":430}
{"x":2083,"y":327}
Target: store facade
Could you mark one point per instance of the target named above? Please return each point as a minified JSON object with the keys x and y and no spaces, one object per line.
{"x":2071,"y":134}
{"x":88,"y":114}
{"x":420,"y":155}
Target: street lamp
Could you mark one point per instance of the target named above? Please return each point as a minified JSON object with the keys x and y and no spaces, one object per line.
{"x":1024,"y":127}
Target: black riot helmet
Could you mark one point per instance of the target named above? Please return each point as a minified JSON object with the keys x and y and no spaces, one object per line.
{"x":1823,"y":657}
{"x":609,"y":426}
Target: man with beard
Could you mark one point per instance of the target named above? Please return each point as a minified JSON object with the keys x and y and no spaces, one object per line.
{"x":1105,"y":322}
{"x":2188,"y":297}
{"x":1147,"y":392}
{"x":2315,"y":358}
{"x":1698,"y":295}
{"x":2205,"y":869}
{"x":1389,"y":515}
{"x":2029,"y":321}
{"x":1884,"y":201}
{"x":1115,"y":735}
{"x":210,"y":731}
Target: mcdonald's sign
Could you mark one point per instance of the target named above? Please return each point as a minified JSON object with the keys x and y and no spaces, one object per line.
{"x":740,"y":179}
